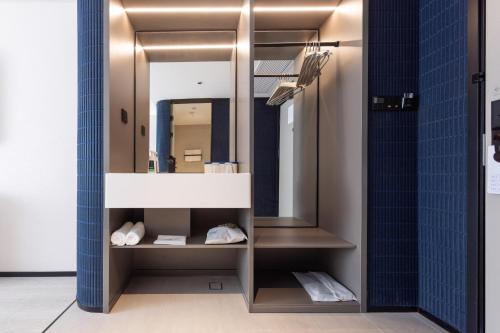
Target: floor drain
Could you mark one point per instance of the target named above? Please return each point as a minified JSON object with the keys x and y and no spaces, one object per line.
{"x":215,"y":285}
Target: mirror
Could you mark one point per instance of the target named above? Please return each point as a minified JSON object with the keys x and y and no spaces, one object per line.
{"x":285,"y":134}
{"x":189,"y":97}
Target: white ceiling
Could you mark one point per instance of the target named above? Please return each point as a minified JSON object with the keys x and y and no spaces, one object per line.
{"x":184,"y":21}
{"x":178,"y":80}
{"x":192,"y":114}
{"x":225,"y":21}
{"x":179,"y":38}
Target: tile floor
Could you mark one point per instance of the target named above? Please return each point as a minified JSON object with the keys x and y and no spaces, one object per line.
{"x":30,"y":304}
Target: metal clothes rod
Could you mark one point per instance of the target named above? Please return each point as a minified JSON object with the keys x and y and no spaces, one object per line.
{"x":296,"y":44}
{"x":276,"y":75}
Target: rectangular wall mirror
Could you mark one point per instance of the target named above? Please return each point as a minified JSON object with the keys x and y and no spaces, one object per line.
{"x":286,"y":131}
{"x":185,"y":100}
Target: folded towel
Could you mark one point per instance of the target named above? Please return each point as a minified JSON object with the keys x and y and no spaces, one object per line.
{"x":341,"y":292}
{"x":321,"y":287}
{"x":135,"y":234}
{"x":119,"y":236}
{"x":170,"y":240}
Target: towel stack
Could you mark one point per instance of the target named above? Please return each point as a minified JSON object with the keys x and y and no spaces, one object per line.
{"x":128,"y":234}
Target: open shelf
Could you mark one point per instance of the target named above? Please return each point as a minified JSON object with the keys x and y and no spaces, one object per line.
{"x":298,"y":238}
{"x":281,"y":222}
{"x":195,"y":242}
{"x":281,"y":292}
{"x":184,"y":282}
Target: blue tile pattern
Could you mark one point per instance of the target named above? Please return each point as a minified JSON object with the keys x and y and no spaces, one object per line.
{"x":266,"y":158}
{"x":90,"y":185}
{"x":220,"y":130}
{"x":163,"y":134}
{"x":442,"y":160}
{"x":392,"y":156}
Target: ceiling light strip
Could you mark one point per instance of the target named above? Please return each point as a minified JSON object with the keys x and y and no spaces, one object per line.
{"x":188,"y":47}
{"x":183,"y":10}
{"x":201,"y":10}
{"x":294,"y":9}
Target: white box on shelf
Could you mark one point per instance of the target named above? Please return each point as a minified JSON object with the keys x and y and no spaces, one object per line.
{"x":176,"y":190}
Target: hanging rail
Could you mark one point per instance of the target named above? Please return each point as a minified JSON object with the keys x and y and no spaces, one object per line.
{"x":276,"y":75}
{"x":296,"y":44}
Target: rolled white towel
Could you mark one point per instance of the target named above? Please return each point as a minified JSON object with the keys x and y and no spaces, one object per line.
{"x":135,"y":234}
{"x":119,"y":236}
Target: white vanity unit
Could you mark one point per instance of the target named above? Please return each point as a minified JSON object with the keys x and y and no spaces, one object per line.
{"x":176,"y":190}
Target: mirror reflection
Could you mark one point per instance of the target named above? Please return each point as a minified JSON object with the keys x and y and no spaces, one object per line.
{"x":191,"y":92}
{"x":285,"y":141}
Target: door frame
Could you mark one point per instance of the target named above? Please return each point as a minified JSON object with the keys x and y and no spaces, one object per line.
{"x":476,"y":47}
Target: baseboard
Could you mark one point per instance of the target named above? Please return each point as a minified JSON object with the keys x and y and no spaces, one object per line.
{"x":38,"y":274}
{"x":392,"y":309}
{"x":424,"y":313}
{"x":438,"y":321}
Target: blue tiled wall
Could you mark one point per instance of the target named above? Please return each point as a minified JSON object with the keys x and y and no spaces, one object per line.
{"x":442,"y":160}
{"x":220,"y":130}
{"x":90,"y":155}
{"x":392,"y":149}
{"x":266,"y":160}
{"x":163,"y":133}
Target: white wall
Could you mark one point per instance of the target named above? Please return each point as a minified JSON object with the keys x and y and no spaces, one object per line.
{"x":492,"y":201}
{"x":38,"y":119}
{"x":178,"y":80}
{"x":286,"y":161}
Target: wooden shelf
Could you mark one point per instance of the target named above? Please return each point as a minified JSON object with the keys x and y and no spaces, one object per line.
{"x":279,"y":291}
{"x":194,"y":242}
{"x":297,"y":300}
{"x":298,"y":238}
{"x":281,"y":222}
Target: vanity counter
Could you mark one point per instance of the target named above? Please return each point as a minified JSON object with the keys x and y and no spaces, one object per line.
{"x":176,"y":190}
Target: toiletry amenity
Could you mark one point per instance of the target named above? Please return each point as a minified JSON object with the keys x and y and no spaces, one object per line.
{"x":170,"y":240}
{"x":225,"y":234}
{"x":321,"y":287}
{"x":135,"y":234}
{"x":119,"y":237}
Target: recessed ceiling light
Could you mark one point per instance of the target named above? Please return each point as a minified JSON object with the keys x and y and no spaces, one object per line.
{"x":294,"y":9}
{"x":188,"y":47}
{"x":183,"y":10}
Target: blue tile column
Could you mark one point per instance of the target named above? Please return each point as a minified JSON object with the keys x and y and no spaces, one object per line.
{"x":442,"y":161}
{"x":392,"y":157}
{"x":90,"y":187}
{"x":163,"y":132}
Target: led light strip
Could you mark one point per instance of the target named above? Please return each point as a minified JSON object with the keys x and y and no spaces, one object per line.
{"x":183,"y":10}
{"x":188,"y":47}
{"x":294,"y":9}
{"x":201,"y":10}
